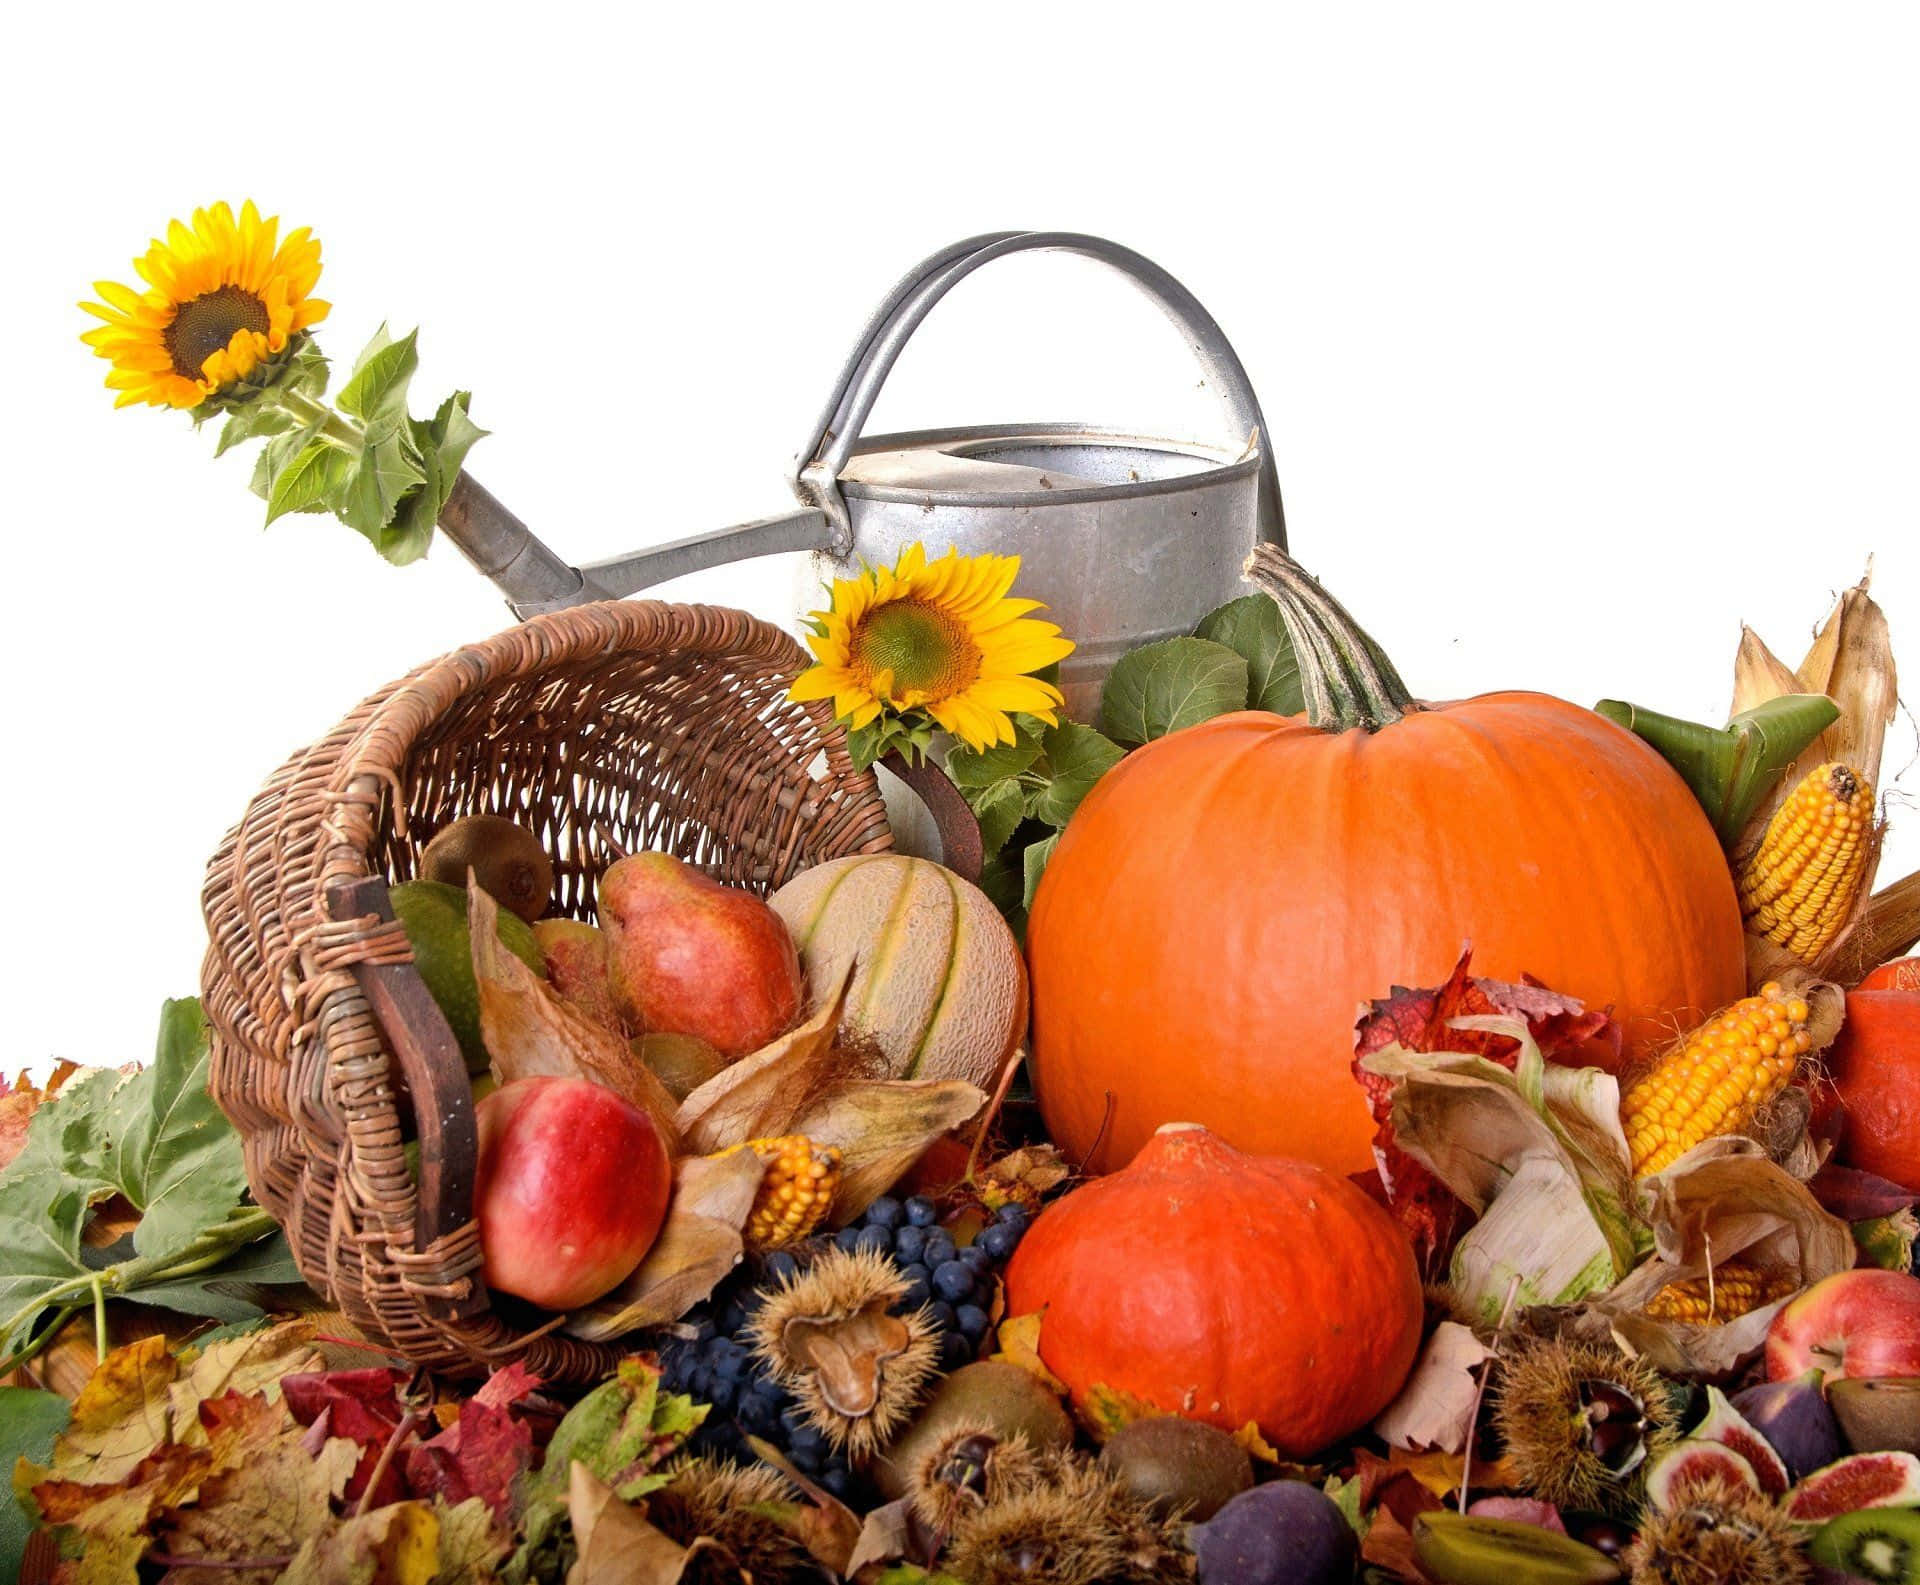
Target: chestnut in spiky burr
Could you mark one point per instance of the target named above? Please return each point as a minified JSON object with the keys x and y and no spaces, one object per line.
{"x":827,"y":1336}
{"x":736,"y":1507}
{"x":1579,"y":1420}
{"x":1722,"y":1533}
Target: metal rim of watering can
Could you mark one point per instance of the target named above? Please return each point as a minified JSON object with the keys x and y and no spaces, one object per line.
{"x":838,"y":429}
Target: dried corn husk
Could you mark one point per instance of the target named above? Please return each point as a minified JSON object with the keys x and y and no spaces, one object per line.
{"x":759,"y":1096}
{"x":1539,"y":1155}
{"x":530,"y":1032}
{"x":1724,"y":1199}
{"x":1851,"y":662}
{"x":1887,"y":927}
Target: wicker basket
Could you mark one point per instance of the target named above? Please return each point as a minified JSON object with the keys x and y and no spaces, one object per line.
{"x":606,"y":729}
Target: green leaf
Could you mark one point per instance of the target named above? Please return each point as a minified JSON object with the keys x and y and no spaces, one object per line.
{"x":172,"y":1152}
{"x":999,"y":809}
{"x":376,"y":394}
{"x":1035,"y":864}
{"x":973,"y":770}
{"x":378,"y":480}
{"x":233,"y":1291}
{"x":252,"y":423}
{"x":441,"y":443}
{"x":275,"y":457}
{"x":310,"y":482}
{"x":1176,"y":683}
{"x":1731,"y":768}
{"x":1077,"y":756}
{"x":29,"y":1421}
{"x":1252,"y":629}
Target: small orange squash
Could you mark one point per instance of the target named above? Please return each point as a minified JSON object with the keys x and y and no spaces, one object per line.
{"x":938,"y":980}
{"x":1225,"y":1288}
{"x":1228,"y":897}
{"x":1876,"y":1073}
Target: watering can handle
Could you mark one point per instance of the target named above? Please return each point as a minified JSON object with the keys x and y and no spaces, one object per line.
{"x":841,"y":421}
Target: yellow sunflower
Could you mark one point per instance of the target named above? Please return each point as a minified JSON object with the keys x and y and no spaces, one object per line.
{"x":222,"y":298}
{"x":940,"y":636}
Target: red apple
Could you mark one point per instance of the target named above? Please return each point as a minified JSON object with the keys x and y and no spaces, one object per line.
{"x":689,"y":956}
{"x":1856,"y":1323}
{"x":572,"y":1187}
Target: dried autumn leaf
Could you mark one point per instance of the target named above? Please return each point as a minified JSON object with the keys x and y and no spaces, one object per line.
{"x":395,"y":1545}
{"x":759,"y":1096}
{"x":699,"y":1243}
{"x":885,"y":1535}
{"x":252,"y":1362}
{"x":268,"y":1496}
{"x":1432,"y":1216}
{"x":617,"y":1545}
{"x":1435,"y":1407}
{"x":529,"y":1032}
{"x":881,"y":1127}
{"x":1103,"y":1410}
{"x":121,"y":1415}
{"x":1257,"y":1446}
{"x":824,"y":1525}
{"x":362,"y":1406}
{"x":472,"y":1543}
{"x":1020,"y":1345}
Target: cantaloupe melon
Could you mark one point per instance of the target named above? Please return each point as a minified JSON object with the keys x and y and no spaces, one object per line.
{"x":938,"y":980}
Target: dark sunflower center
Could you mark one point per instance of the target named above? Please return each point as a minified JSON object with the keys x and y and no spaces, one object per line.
{"x":928,"y":650}
{"x":203,"y":325}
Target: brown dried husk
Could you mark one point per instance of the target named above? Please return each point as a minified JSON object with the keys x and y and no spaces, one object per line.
{"x":1887,"y":928}
{"x":1851,"y":662}
{"x":1722,"y":1199}
{"x":530,"y":1032}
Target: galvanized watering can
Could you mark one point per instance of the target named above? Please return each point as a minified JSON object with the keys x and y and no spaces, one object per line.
{"x":1127,"y":538}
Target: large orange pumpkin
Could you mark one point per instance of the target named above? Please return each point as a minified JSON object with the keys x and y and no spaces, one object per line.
{"x":1226,"y":1288}
{"x":1227,"y":897}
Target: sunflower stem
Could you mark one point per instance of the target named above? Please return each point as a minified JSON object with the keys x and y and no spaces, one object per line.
{"x":332,"y":426}
{"x":1346,"y":677}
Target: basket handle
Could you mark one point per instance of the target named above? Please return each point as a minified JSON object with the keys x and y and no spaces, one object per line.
{"x":961,"y":849}
{"x":841,"y":421}
{"x":435,"y":1075}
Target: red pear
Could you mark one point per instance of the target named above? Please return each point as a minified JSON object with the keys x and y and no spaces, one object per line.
{"x":689,"y":956}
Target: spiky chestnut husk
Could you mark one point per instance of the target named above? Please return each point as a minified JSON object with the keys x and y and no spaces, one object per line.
{"x":1723,"y":1533}
{"x":727,"y":1503}
{"x":967,"y":1469}
{"x":827,"y":1337}
{"x":1075,"y":1525}
{"x":1579,"y":1421}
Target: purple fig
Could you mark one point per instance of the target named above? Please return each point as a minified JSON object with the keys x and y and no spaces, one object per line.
{"x":1283,"y":1533}
{"x":1794,"y":1418}
{"x":1867,"y":1480}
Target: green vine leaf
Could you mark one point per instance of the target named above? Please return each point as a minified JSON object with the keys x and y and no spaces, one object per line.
{"x":376,"y":394}
{"x":1175,"y":683}
{"x":1076,"y":757}
{"x":974,"y":770}
{"x":1252,"y":629}
{"x":999,"y":808}
{"x":1035,"y":864}
{"x":310,"y":482}
{"x":29,"y":1422}
{"x":1731,"y":768}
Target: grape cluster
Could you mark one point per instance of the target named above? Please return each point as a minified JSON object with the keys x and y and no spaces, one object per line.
{"x":715,"y":1364}
{"x":957,"y":1284}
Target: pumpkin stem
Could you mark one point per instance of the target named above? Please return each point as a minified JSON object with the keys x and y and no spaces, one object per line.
{"x":1345,"y":677}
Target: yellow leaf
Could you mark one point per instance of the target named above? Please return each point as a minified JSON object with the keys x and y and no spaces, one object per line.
{"x":761,"y":1095}
{"x":1104,"y":1410}
{"x":1249,"y":1437}
{"x":617,"y":1545}
{"x":1020,"y":1345}
{"x":121,"y":1415}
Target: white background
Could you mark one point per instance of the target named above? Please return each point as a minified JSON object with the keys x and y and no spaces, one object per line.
{"x":1585,"y":333}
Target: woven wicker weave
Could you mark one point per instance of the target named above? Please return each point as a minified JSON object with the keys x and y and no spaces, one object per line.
{"x":606,"y":729}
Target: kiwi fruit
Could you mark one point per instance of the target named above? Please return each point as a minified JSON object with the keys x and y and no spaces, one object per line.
{"x":506,"y":859}
{"x":1000,"y":1398}
{"x":1178,"y":1466}
{"x":1879,"y":1544}
{"x":1879,"y":1414}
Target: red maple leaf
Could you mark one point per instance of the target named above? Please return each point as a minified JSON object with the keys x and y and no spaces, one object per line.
{"x":1422,"y":1020}
{"x":362,"y":1405}
{"x":482,"y":1452}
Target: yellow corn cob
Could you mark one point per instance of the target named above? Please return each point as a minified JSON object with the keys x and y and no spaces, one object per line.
{"x":1799,"y":886}
{"x":1737,"y":1288}
{"x":1717,"y":1079}
{"x":796,"y":1193}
